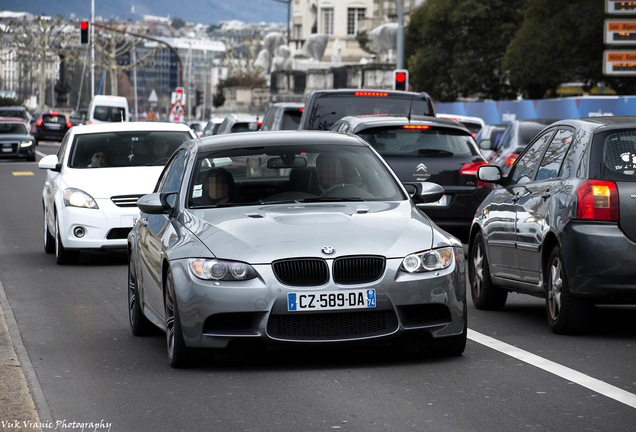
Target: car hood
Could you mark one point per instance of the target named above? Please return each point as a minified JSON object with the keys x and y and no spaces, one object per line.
{"x":15,"y":137}
{"x":262,"y":234}
{"x":107,"y":182}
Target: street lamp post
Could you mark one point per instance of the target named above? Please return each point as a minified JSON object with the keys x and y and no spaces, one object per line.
{"x":288,"y":16}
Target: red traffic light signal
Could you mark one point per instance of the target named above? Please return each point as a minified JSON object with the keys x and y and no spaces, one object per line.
{"x":401,"y":79}
{"x":84,"y":33}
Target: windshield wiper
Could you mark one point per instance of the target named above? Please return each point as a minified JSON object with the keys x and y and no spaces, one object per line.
{"x":284,"y":201}
{"x":435,"y":152}
{"x":327,"y":199}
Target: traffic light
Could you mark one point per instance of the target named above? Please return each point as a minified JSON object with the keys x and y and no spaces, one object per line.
{"x":401,"y":79}
{"x":84,"y":33}
{"x":199,"y":95}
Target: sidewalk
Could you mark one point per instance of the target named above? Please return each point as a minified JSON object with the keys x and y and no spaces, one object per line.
{"x":17,"y":410}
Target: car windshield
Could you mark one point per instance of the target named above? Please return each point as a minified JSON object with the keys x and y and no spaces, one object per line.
{"x":13,"y":129}
{"x":418,"y":140}
{"x":330,"y":108}
{"x":292,"y":173}
{"x":124,"y":149}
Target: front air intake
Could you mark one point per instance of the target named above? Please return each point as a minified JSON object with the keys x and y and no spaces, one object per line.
{"x":301,"y":272}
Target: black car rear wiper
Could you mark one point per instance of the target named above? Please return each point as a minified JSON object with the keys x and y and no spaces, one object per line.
{"x":435,"y":152}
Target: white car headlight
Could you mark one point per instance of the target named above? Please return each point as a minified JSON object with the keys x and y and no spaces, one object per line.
{"x":26,"y":144}
{"x":436,"y":259}
{"x":77,"y":198}
{"x":213,"y":269}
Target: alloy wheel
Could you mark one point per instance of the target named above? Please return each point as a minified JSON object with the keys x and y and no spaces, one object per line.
{"x":555,"y":289}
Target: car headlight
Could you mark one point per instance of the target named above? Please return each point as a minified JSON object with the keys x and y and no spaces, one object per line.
{"x":26,"y":144}
{"x":78,"y":198}
{"x":213,"y":269}
{"x":436,"y":259}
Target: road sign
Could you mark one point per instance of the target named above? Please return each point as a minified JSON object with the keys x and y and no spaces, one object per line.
{"x":619,"y":62}
{"x":620,"y":7}
{"x":620,"y":32}
{"x":177,"y":111}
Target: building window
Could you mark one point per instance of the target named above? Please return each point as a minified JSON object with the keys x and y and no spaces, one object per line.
{"x":354,"y":16}
{"x":327,"y":21}
{"x":298,"y":31}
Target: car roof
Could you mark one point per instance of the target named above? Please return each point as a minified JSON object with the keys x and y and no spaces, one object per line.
{"x":390,"y":92}
{"x":276,"y":138}
{"x":11,"y":120}
{"x":288,"y":104}
{"x":393,"y":120}
{"x":131,"y":127}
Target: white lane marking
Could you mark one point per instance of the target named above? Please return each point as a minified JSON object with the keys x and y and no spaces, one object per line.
{"x":39,"y":153}
{"x":564,"y":372}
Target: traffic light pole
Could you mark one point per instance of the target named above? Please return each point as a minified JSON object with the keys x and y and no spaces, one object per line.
{"x":92,"y":44}
{"x":400,"y":34}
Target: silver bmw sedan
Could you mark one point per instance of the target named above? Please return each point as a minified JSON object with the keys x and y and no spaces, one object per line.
{"x":296,"y":238}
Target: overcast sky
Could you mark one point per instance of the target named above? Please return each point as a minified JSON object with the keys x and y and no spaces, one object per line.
{"x":196,"y":11}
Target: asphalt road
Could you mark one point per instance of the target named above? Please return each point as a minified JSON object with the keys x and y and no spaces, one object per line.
{"x":515,"y":375}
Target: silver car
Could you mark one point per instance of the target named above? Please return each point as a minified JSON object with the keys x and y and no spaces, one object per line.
{"x":291,"y":237}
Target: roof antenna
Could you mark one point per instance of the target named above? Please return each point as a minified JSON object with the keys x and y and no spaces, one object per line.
{"x":410,"y":108}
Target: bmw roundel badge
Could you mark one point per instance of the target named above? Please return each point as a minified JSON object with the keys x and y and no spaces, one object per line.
{"x":328,"y":250}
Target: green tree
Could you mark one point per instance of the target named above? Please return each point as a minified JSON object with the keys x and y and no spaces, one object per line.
{"x":560,"y":41}
{"x":456,"y":47}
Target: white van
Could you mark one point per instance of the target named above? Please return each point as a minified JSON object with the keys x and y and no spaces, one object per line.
{"x":108,"y":109}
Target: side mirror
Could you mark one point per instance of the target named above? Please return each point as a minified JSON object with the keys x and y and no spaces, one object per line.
{"x":485,"y":144}
{"x":50,"y":162}
{"x":490,"y":174}
{"x":157,"y":203}
{"x":425,"y":192}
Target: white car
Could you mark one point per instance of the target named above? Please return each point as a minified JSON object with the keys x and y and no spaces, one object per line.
{"x":473,"y":124}
{"x":93,"y":183}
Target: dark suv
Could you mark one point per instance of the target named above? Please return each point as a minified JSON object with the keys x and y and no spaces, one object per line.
{"x":325,"y":107}
{"x":562,"y":224}
{"x":429,"y":149}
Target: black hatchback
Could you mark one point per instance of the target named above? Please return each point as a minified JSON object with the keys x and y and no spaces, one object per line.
{"x":52,"y":127}
{"x":562,"y":224}
{"x":422,"y":148}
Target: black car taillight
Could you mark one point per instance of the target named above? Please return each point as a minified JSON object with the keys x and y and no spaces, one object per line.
{"x":598,"y":200}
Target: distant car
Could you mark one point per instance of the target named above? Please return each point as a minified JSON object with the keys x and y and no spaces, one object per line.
{"x":222,"y":257}
{"x":79,"y":117}
{"x":325,"y":107}
{"x":561,"y":224}
{"x":488,"y":138}
{"x":94,"y":181}
{"x":514,"y":139}
{"x":212,"y":126}
{"x":16,"y":112}
{"x":431,"y":149}
{"x":16,"y":140}
{"x":235,"y":123}
{"x":473,"y":124}
{"x":51,"y":126}
{"x":197,"y":127}
{"x":283,"y":116}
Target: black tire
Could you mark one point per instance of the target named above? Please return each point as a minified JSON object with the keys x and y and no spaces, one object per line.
{"x":31,"y":158}
{"x":139,"y":324}
{"x":485,"y":294}
{"x":62,"y":255}
{"x":567,"y":314}
{"x":179,"y":355}
{"x":49,"y":239}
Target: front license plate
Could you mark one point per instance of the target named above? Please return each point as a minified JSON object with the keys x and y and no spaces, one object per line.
{"x":6,"y":149}
{"x":439,"y":203}
{"x":331,"y":300}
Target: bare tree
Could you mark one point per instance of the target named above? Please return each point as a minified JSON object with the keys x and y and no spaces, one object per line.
{"x":39,"y":41}
{"x":113,"y":43}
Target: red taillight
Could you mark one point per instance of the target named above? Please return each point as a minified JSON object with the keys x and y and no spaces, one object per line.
{"x":39,"y":122}
{"x":53,"y":113}
{"x":598,"y":200}
{"x":260,"y":123}
{"x":415,"y":127}
{"x":68,"y":124}
{"x":471,"y":170}
{"x":302,"y":109}
{"x":510,"y":159}
{"x":370,"y":94}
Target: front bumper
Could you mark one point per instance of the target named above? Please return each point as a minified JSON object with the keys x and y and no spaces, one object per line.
{"x":104,"y":228}
{"x":600,"y":261}
{"x":217,"y":314}
{"x":16,"y":151}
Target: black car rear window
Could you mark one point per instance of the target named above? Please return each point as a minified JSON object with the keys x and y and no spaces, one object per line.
{"x":53,"y":118}
{"x":329,"y":108}
{"x":429,"y":141}
{"x":291,"y":119}
{"x":614,"y":156}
